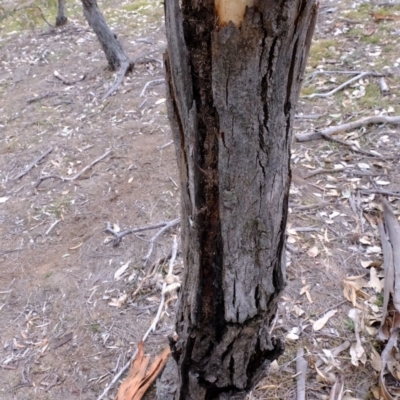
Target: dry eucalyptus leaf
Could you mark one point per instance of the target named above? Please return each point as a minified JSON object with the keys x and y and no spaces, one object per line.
{"x":375,"y":282}
{"x":318,"y":325}
{"x":313,"y":252}
{"x":120,"y":271}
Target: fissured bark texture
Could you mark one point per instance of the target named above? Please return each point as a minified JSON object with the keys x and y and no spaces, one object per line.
{"x":232,"y":91}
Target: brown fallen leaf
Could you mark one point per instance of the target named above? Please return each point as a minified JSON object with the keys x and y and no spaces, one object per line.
{"x":138,"y":381}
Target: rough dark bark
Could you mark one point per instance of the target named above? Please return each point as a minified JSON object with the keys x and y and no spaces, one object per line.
{"x":232,"y":89}
{"x":61,"y":18}
{"x":110,"y":44}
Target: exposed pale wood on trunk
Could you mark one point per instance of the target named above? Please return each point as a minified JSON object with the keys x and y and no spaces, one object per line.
{"x":231,"y":97}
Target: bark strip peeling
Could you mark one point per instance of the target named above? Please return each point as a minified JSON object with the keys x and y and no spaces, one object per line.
{"x":232,"y":92}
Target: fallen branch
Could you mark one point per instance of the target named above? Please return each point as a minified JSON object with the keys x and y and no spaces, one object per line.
{"x":151,"y":83}
{"x":343,"y":85}
{"x":33,"y":163}
{"x":119,"y":235}
{"x":149,"y":330}
{"x":380,"y":119}
{"x":65,"y":179}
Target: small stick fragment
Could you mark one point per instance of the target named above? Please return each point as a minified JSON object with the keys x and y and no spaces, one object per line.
{"x":301,"y":370}
{"x":64,"y":179}
{"x":33,"y":163}
{"x":52,"y":226}
{"x":383,"y":86}
{"x":151,"y":83}
{"x":65,"y":81}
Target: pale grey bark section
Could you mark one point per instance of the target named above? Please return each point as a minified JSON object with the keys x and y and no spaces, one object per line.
{"x":232,"y":93}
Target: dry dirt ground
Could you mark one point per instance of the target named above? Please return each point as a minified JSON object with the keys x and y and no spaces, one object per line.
{"x":62,"y":333}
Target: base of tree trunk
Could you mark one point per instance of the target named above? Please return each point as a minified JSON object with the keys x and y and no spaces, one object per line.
{"x":60,"y":21}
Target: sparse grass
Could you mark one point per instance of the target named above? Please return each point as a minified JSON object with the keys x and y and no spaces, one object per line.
{"x":322,"y":49}
{"x":349,"y":324}
{"x":95,"y":328}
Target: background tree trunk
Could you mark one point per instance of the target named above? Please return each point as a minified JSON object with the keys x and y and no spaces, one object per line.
{"x":115,"y":54}
{"x":61,"y":19}
{"x":232,"y":88}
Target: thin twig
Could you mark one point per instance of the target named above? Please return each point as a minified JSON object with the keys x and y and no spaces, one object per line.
{"x":170,"y":270}
{"x":41,"y":97}
{"x":151,"y":83}
{"x":343,"y":85}
{"x":149,"y":330}
{"x":155,"y":237}
{"x":64,"y":179}
{"x":33,"y":163}
{"x":380,"y":119}
{"x":52,"y":226}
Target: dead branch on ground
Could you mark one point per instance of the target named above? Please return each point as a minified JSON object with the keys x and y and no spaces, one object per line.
{"x":326,"y":133}
{"x":72,"y":178}
{"x":119,"y":235}
{"x":344,"y":85}
{"x":33,"y":163}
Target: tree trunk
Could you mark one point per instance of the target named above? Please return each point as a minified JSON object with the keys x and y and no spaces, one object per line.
{"x":61,"y":19}
{"x":112,"y":48}
{"x":232,"y":89}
